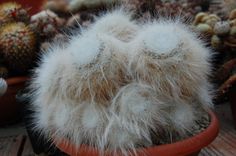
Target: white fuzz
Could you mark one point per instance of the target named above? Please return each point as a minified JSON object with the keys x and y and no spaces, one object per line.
{"x":183,"y":118}
{"x":175,"y":56}
{"x":119,"y":86}
{"x":86,"y":53}
{"x":3,"y":86}
{"x":117,"y":24}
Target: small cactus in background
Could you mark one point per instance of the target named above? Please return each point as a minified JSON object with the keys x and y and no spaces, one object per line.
{"x":46,"y":23}
{"x":205,"y":29}
{"x":12,"y":12}
{"x":222,"y":28}
{"x":221,"y":33}
{"x":205,"y":18}
{"x":3,"y":86}
{"x":17,"y":44}
{"x":216,"y":42}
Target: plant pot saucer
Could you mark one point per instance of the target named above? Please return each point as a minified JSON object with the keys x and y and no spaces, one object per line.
{"x":186,"y":147}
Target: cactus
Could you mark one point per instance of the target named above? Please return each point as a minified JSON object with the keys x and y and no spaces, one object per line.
{"x":17,"y":43}
{"x":222,"y":28}
{"x":221,"y":33}
{"x":205,"y":29}
{"x":12,"y":11}
{"x":46,"y":23}
{"x":120,"y":85}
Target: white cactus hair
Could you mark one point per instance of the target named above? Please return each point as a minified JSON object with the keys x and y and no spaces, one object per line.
{"x":117,"y":24}
{"x":119,"y":85}
{"x":176,"y":56}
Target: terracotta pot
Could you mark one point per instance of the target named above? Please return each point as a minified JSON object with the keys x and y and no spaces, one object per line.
{"x":34,"y":5}
{"x":9,"y":108}
{"x":188,"y":147}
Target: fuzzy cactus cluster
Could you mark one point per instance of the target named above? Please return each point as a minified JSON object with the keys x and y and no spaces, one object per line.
{"x":221,"y":33}
{"x":120,"y":84}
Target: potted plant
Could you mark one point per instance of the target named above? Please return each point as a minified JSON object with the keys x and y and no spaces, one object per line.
{"x":122,"y":86}
{"x":17,"y":45}
{"x":21,"y":36}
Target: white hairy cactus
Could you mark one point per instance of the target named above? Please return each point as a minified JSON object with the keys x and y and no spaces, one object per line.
{"x":176,"y":57}
{"x":120,"y":85}
{"x":117,"y":24}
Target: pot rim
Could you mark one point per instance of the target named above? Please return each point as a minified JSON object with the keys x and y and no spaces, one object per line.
{"x":16,"y":80}
{"x":180,"y":148}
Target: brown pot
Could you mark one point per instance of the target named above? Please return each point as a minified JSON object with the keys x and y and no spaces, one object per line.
{"x":9,"y":108}
{"x":188,"y":147}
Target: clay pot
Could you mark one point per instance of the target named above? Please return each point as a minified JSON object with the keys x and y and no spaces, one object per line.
{"x":188,"y":147}
{"x":9,"y":108}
